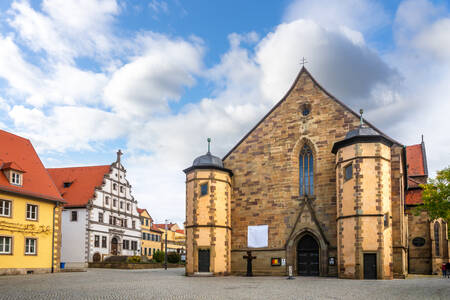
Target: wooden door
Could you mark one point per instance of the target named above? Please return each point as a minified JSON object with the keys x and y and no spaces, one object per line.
{"x":114,"y":246}
{"x":203,"y":260}
{"x":370,"y":266}
{"x":308,"y":257}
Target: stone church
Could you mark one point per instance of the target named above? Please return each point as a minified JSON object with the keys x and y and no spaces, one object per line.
{"x":316,"y":189}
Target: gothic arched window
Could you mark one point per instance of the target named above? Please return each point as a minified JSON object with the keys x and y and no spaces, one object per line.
{"x":306,"y":171}
{"x":436,"y":237}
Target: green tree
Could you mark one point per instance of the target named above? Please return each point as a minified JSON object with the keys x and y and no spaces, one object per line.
{"x":173,"y":257}
{"x":436,"y":196}
{"x":158,"y":256}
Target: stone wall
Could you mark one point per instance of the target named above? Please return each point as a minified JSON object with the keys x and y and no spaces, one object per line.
{"x":208,"y":221}
{"x":266,"y":173}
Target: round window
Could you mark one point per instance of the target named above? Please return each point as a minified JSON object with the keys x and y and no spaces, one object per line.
{"x":306,"y":109}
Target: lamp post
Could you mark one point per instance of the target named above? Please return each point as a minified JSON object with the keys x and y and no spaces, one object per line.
{"x":165,"y":248}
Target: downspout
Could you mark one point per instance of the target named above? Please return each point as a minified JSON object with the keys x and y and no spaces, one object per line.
{"x":53,"y":237}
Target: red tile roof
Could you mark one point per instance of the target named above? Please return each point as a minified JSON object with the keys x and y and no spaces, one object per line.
{"x":415,"y":161}
{"x":180,"y":231}
{"x":140,"y":210}
{"x":17,"y":152}
{"x":413,"y":197}
{"x":155,"y":228}
{"x":162,"y":226}
{"x":83,"y":181}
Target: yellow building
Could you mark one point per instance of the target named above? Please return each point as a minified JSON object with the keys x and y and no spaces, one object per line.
{"x":30,"y":210}
{"x":176,"y":238}
{"x":151,"y":235}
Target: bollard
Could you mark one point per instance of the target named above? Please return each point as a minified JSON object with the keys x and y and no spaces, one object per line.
{"x":290,"y":273}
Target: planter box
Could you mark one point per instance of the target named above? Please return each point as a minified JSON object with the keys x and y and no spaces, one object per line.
{"x":132,"y":266}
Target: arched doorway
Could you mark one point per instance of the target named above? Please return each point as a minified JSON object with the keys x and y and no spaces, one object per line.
{"x":308,"y":256}
{"x":96,"y":257}
{"x":114,"y":246}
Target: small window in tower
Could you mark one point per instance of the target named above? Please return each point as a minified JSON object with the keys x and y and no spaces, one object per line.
{"x":348,"y":172}
{"x":386,"y":220}
{"x":203,"y":189}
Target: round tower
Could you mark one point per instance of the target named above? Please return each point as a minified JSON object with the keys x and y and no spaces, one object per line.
{"x":363,"y":189}
{"x":208,"y":216}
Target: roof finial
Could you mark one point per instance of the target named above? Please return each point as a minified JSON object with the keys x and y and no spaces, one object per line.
{"x":209,"y":145}
{"x":422,"y":138}
{"x":119,"y":154}
{"x":361,"y":111}
{"x":303,"y":62}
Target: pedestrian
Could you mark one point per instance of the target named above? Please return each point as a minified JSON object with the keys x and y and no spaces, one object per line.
{"x":447,"y":269}
{"x":444,"y":270}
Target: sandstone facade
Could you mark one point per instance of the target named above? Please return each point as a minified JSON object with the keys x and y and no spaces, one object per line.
{"x":265,"y":190}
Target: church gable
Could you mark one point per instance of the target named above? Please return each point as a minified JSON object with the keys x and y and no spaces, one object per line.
{"x":265,"y":163}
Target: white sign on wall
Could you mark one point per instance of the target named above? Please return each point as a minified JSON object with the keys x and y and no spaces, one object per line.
{"x":258,"y":236}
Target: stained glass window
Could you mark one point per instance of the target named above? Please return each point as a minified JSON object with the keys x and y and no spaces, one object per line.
{"x":306,"y":171}
{"x":436,"y":237}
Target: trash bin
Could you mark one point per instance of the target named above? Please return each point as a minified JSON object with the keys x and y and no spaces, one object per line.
{"x":62,"y":265}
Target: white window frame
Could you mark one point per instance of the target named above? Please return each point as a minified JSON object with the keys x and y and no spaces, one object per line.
{"x":30,"y":212}
{"x":2,"y":248}
{"x":5,"y":204}
{"x":28,"y":243}
{"x":16,"y":178}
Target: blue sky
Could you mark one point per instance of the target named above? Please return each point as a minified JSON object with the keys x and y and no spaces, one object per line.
{"x":82,"y":79}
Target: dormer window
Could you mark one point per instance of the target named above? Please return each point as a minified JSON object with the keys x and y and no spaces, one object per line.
{"x":16,"y":178}
{"x":67,"y":184}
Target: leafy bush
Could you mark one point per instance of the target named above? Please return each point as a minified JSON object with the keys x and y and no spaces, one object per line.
{"x":173,"y":257}
{"x":158,"y":256}
{"x":134,"y":259}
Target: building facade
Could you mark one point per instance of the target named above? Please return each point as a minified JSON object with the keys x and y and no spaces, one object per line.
{"x":176,"y":238}
{"x":100,"y":217}
{"x":30,"y":210}
{"x":314,"y":188}
{"x":151,"y":235}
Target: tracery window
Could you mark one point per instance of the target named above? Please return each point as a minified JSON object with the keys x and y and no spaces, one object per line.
{"x":436,"y":238}
{"x":306,"y":171}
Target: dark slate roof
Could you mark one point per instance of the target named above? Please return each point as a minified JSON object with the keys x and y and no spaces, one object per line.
{"x":208,"y":160}
{"x":361,"y":131}
{"x":362,"y":134}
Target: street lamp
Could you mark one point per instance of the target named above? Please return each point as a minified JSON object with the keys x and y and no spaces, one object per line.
{"x":165,"y":248}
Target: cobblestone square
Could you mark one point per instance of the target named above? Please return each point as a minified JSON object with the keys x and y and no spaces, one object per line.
{"x":172,"y":284}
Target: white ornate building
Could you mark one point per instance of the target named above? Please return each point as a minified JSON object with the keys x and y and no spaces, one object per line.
{"x":100,"y":217}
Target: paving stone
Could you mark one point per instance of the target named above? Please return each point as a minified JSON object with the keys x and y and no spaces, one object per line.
{"x":172,"y":284}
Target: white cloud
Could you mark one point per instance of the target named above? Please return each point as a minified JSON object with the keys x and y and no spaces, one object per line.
{"x":362,"y":15}
{"x":435,"y":39}
{"x":338,"y":60}
{"x":149,"y":81}
{"x":66,"y":28}
{"x":66,"y":128}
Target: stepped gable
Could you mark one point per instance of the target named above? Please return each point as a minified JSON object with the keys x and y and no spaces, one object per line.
{"x":77,"y":185}
{"x":17,"y":153}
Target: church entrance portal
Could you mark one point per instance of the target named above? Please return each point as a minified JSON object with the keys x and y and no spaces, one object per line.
{"x":114,"y":246}
{"x":308,"y":256}
{"x":203,"y":260}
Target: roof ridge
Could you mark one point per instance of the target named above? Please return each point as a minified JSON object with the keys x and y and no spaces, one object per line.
{"x":304,"y":70}
{"x":60,"y":168}
{"x":14,"y":135}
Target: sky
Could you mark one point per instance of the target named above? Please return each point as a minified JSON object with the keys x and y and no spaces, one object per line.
{"x":84,"y":78}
